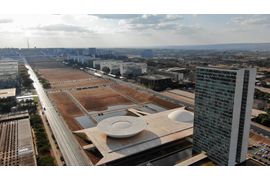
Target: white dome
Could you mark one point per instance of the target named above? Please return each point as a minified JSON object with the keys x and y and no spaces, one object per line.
{"x":122,"y":126}
{"x":181,"y":116}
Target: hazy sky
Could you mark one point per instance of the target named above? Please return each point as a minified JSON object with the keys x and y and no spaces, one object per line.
{"x":131,"y":30}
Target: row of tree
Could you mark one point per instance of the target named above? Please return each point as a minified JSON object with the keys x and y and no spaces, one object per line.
{"x":44,"y":156}
{"x":261,"y":95}
{"x":26,"y":81}
{"x":7,"y":104}
{"x":45,"y":83}
{"x":263,"y":119}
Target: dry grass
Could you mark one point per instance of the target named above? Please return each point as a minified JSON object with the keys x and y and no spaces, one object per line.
{"x":144,"y":97}
{"x":67,"y":109}
{"x":54,"y":75}
{"x":99,"y":99}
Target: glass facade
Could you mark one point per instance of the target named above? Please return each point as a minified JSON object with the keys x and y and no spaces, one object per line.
{"x":220,"y":113}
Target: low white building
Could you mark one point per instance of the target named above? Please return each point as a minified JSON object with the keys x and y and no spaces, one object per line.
{"x":80,"y":59}
{"x":176,"y":73}
{"x":113,"y":66}
{"x":125,"y":69}
{"x":131,"y":69}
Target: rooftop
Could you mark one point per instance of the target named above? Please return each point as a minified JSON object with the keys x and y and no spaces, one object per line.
{"x":222,"y":68}
{"x":16,"y":145}
{"x":160,"y":130}
{"x":155,"y":77}
{"x":5,"y":93}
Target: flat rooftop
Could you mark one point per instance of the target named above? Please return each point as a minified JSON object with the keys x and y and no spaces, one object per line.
{"x":155,"y":77}
{"x":5,"y":93}
{"x":16,"y":142}
{"x":160,"y":130}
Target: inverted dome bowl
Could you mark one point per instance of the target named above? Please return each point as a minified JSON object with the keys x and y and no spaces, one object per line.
{"x":122,"y":126}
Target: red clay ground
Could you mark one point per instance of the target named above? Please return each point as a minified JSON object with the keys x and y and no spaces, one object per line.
{"x":47,"y":64}
{"x":163,"y":103}
{"x":255,"y":138}
{"x":63,"y":74}
{"x":67,"y":109}
{"x":143,"y":97}
{"x":99,"y":99}
{"x":44,"y":62}
{"x":137,"y":95}
{"x":85,"y":83}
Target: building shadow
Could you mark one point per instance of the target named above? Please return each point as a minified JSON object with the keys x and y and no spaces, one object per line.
{"x":131,"y":145}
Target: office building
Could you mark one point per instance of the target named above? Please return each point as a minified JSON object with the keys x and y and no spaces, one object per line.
{"x":132,"y":70}
{"x":177,"y":74}
{"x":223,"y":104}
{"x":125,"y":69}
{"x":8,"y":74}
{"x":156,"y":82}
{"x":16,"y":145}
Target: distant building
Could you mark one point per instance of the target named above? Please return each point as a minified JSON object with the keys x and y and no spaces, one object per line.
{"x":132,"y":70}
{"x":92,"y":52}
{"x":125,"y":69}
{"x":86,"y":60}
{"x":110,"y":67}
{"x":223,"y":103}
{"x":8,"y":74}
{"x":177,"y":74}
{"x":156,"y":82}
{"x":7,"y":93}
{"x":16,"y":143}
{"x":148,"y":53}
{"x":96,"y":64}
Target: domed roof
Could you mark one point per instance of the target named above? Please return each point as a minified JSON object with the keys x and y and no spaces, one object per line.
{"x":181,"y":115}
{"x":122,"y":126}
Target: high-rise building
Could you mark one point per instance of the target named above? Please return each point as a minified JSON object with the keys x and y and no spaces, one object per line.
{"x":92,"y":52}
{"x":223,"y":104}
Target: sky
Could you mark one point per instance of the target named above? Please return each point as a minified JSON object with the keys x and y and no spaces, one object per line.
{"x":131,"y":30}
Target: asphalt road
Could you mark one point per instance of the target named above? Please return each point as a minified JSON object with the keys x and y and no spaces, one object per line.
{"x":70,"y":148}
{"x":260,"y":129}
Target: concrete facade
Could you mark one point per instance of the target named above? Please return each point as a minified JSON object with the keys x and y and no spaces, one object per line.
{"x":125,"y":69}
{"x":131,"y":69}
{"x":223,"y":102}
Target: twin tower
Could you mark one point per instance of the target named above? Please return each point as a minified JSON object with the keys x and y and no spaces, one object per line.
{"x":223,"y":105}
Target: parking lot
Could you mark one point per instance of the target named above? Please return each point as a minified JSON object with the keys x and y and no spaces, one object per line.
{"x":261,"y":152}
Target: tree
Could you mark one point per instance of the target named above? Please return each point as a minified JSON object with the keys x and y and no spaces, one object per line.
{"x":6,"y":104}
{"x":263,"y":119}
{"x":106,"y":70}
{"x":45,"y":161}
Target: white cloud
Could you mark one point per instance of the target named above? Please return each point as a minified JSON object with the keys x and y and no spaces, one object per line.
{"x":4,"y":21}
{"x":116,"y":16}
{"x":152,"y":22}
{"x":62,"y":28}
{"x":131,"y":29}
{"x":252,"y":20}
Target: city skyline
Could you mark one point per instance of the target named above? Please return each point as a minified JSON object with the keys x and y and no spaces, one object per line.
{"x":131,"y":30}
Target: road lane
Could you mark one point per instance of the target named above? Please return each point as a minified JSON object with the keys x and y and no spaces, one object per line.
{"x":70,"y":148}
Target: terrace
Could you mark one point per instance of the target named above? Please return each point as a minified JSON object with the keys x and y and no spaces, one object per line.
{"x":161,"y":130}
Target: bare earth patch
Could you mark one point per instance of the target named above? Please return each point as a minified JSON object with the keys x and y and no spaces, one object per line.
{"x":67,"y":109}
{"x":99,"y":99}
